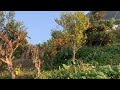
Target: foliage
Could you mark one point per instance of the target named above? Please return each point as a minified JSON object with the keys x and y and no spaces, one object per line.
{"x":12,"y":27}
{"x":103,"y":55}
{"x":34,"y":55}
{"x":10,"y":40}
{"x":117,"y":22}
{"x":74,"y":24}
{"x":116,"y":35}
{"x":19,"y":51}
{"x":74,"y":72}
{"x":59,"y":39}
{"x":59,"y":52}
{"x":98,"y":15}
{"x":100,"y":33}
{"x":57,"y":34}
{"x":107,"y":70}
{"x":4,"y":75}
{"x":48,"y":54}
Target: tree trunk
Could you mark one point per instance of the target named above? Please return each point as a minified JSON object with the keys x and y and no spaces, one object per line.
{"x":11,"y":70}
{"x":74,"y":52}
{"x":38,"y":72}
{"x":37,"y":66}
{"x":90,"y":42}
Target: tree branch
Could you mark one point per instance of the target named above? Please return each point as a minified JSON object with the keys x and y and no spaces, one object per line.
{"x":1,"y":59}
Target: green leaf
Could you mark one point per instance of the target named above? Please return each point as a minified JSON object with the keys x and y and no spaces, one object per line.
{"x":65,"y":66}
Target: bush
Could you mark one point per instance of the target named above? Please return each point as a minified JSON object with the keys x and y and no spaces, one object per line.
{"x":63,"y":56}
{"x":97,"y":34}
{"x":90,"y":75}
{"x":19,"y":51}
{"x":100,"y":55}
{"x":73,"y":72}
{"x":107,"y":70}
{"x":117,"y":35}
{"x":81,"y":71}
{"x":117,"y":22}
{"x":108,"y":23}
{"x":5,"y":75}
{"x":103,"y":38}
{"x":117,"y":72}
{"x":76,"y":72}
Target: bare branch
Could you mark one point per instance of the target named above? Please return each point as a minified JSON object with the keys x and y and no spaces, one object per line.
{"x":3,"y":60}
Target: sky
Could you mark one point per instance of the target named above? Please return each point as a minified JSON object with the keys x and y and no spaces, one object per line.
{"x":39,"y":24}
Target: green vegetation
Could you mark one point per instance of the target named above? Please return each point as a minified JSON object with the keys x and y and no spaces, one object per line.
{"x":86,"y":48}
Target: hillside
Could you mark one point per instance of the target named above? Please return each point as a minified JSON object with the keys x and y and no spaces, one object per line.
{"x":111,"y":14}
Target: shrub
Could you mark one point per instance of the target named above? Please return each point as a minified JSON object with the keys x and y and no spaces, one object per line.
{"x":116,"y":35}
{"x":103,"y":38}
{"x":5,"y":75}
{"x":100,"y":55}
{"x":107,"y":70}
{"x":97,"y":34}
{"x":117,"y":22}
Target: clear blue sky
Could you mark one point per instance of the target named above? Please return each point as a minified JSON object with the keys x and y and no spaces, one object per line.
{"x":39,"y":24}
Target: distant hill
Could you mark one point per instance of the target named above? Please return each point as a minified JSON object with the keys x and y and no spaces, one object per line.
{"x":110,"y":14}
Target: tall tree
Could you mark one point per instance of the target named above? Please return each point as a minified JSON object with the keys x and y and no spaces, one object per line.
{"x":34,"y":55}
{"x":12,"y":27}
{"x":8,"y":48}
{"x":74,"y":24}
{"x":12,"y":35}
{"x":96,"y":33}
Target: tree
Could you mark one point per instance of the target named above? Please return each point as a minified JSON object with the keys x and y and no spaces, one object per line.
{"x":12,"y":35}
{"x":57,"y":34}
{"x":49,"y":53}
{"x":98,"y":15}
{"x":33,"y":52}
{"x":74,"y":24}
{"x":96,"y":33}
{"x":59,"y":39}
{"x":9,"y":25}
{"x":8,"y":48}
{"x":34,"y":55}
